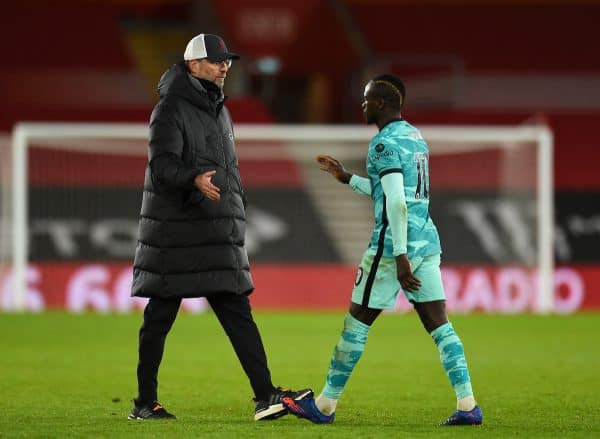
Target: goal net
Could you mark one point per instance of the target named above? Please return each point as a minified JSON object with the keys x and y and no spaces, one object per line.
{"x":69,"y":234}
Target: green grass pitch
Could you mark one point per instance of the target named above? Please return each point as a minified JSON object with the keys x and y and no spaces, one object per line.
{"x":67,"y":375}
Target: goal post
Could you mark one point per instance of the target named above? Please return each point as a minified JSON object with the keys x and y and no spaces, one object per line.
{"x":302,"y":143}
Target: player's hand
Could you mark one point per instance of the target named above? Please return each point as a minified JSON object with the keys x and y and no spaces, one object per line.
{"x":334,"y":167}
{"x":204,"y":184}
{"x":405,"y":275}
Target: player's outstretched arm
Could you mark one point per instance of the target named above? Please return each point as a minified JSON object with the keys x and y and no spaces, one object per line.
{"x":334,"y":167}
{"x":358,"y":184}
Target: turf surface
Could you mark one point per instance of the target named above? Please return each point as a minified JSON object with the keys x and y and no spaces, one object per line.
{"x":67,"y":375}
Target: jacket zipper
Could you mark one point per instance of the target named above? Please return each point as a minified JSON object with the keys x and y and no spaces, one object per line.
{"x":238,"y":275}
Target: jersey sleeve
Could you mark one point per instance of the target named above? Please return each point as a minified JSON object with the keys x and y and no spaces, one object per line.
{"x":396,"y":210}
{"x":360,"y":185}
{"x":385,"y":157}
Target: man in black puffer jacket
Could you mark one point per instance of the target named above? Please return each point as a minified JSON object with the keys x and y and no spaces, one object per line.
{"x":192,"y":226}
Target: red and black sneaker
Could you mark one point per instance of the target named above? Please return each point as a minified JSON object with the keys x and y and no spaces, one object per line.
{"x":152,"y":410}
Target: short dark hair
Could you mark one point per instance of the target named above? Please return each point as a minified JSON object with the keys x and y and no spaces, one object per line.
{"x":391,"y":89}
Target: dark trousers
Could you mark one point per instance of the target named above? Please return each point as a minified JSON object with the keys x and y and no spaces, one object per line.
{"x":234,"y":314}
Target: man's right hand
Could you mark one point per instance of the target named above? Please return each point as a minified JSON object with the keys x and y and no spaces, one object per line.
{"x":204,"y":184}
{"x":407,"y":279}
{"x":334,"y":167}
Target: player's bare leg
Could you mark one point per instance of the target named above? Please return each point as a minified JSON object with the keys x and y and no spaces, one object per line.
{"x":364,"y":314}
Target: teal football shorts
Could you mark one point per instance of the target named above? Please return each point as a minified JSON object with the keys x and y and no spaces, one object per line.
{"x":381,"y":289}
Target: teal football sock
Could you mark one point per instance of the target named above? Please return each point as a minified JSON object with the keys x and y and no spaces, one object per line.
{"x":345,"y":355}
{"x":453,"y":359}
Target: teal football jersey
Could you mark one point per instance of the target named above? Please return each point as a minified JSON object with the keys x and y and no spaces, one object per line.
{"x":399,"y":147}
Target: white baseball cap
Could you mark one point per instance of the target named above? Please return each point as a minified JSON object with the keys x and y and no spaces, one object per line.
{"x":208,"y":46}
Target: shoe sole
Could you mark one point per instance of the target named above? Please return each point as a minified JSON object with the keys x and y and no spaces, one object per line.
{"x":465,"y":424}
{"x":475,"y":424}
{"x":138,"y":418}
{"x":273,"y":412}
{"x":276,"y":411}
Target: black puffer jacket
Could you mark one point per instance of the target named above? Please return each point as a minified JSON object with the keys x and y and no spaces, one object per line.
{"x":188,"y":245}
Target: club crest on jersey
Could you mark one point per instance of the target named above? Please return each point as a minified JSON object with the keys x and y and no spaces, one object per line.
{"x":359,"y":276}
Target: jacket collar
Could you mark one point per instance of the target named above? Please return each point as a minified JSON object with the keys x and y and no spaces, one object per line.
{"x":178,"y":81}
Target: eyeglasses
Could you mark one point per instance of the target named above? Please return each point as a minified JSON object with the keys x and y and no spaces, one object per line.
{"x":226,"y":62}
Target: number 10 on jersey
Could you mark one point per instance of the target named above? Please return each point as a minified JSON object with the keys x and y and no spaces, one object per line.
{"x":421,"y":160}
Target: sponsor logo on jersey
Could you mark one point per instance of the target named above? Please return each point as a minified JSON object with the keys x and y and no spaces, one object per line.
{"x":380,"y":149}
{"x":383,"y":154}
